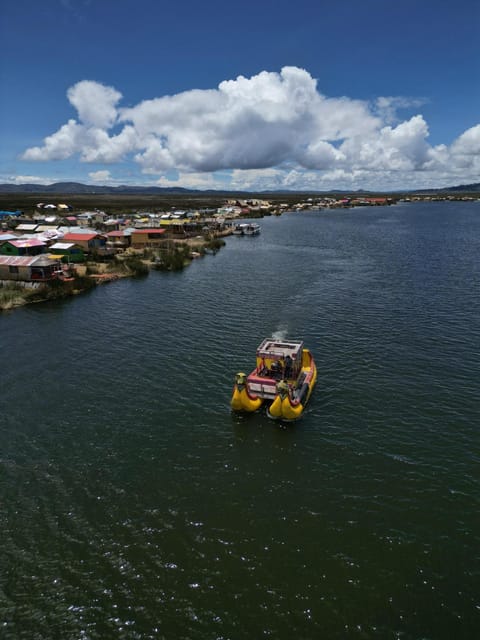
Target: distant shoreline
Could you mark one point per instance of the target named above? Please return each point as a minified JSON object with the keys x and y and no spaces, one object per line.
{"x":118,"y":204}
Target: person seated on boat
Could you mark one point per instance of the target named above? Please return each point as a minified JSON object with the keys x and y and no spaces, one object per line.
{"x":275,"y":367}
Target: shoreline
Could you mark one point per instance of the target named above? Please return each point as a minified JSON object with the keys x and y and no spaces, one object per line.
{"x":16,"y":294}
{"x":174,"y":255}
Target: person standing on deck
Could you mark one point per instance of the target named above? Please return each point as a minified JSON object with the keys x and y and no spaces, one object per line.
{"x":288,"y":366}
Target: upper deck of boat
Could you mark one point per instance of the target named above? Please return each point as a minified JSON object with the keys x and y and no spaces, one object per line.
{"x":277,"y":349}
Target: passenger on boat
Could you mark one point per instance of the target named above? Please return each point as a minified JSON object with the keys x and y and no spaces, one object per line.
{"x":275,"y":367}
{"x":288,"y":366}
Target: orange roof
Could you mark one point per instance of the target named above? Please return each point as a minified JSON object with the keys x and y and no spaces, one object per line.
{"x":75,"y":237}
{"x":157,"y":231}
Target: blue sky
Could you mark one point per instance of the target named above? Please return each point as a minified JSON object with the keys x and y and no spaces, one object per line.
{"x":371,"y":94}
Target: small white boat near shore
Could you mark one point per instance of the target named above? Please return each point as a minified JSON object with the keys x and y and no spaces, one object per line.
{"x":247,"y":229}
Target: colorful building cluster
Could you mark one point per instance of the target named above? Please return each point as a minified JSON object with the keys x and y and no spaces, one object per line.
{"x":72,"y":239}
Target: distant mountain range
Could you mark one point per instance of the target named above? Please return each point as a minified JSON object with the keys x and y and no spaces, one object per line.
{"x":77,"y":188}
{"x":466,"y":188}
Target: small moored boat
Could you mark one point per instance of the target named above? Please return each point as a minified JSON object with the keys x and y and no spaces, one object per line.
{"x":283,"y":379}
{"x":247,"y":229}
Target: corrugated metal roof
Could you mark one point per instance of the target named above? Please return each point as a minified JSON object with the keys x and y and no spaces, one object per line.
{"x":44,"y":261}
{"x":33,"y":242}
{"x":63,"y":246}
{"x":27,"y":227}
{"x":45,"y":227}
{"x":18,"y":261}
{"x":80,"y":236}
{"x":157,"y":231}
{"x":82,"y":230}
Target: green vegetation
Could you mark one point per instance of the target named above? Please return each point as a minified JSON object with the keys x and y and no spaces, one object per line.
{"x":135,"y":266}
{"x":214,"y":245}
{"x":131,"y":265}
{"x":174,"y":257}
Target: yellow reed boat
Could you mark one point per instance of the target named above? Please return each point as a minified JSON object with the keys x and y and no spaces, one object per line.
{"x":283,"y":380}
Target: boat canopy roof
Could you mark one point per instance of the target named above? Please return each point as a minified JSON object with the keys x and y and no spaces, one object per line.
{"x":278,"y":349}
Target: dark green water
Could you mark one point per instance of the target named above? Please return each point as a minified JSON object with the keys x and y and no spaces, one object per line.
{"x":134,"y":505}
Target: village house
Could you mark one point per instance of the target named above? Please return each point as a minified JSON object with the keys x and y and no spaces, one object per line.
{"x":68,"y":229}
{"x":5,"y":215}
{"x":67,"y":252}
{"x":29,"y":268}
{"x":22,"y":247}
{"x":182,"y":228}
{"x":119,"y":239}
{"x":110,"y":225}
{"x":90,"y":217}
{"x":142,"y":238}
{"x":89,"y":242}
{"x":379,"y":202}
{"x":6,"y":237}
{"x":46,"y":228}
{"x":100,"y":216}
{"x":26,"y":228}
{"x":229,"y":211}
{"x":41,"y":218}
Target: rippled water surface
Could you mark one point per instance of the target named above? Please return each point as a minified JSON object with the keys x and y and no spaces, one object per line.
{"x":133,"y":504}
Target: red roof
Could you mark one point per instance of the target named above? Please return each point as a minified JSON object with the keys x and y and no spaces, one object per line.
{"x":75,"y":237}
{"x":116,"y":234}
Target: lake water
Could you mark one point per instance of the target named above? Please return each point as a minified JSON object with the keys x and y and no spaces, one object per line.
{"x":135,"y":505}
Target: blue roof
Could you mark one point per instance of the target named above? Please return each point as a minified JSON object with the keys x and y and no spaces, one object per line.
{"x":4,"y":214}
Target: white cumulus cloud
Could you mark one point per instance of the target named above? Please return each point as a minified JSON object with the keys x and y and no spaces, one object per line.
{"x":60,"y":145}
{"x":26,"y":179}
{"x":387,"y":107}
{"x":95,"y":103}
{"x":469,"y":142}
{"x":100,"y":176}
{"x":277,"y":125}
{"x":192,"y":181}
